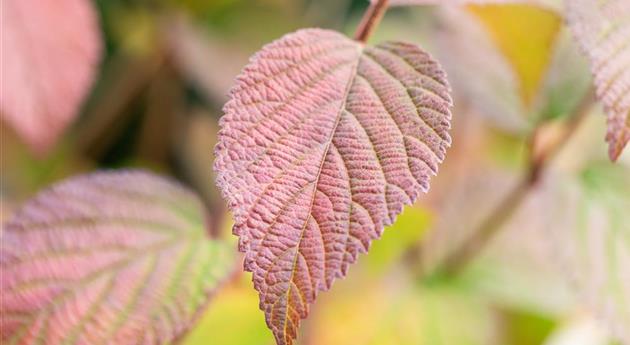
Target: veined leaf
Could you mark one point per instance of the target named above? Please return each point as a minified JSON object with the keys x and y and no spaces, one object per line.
{"x":107,"y":258}
{"x":603,"y":30}
{"x":323,"y":142}
{"x":52,"y":48}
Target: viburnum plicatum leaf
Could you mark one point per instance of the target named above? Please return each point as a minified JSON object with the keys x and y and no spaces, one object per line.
{"x":323,"y":142}
{"x":50,"y":52}
{"x":107,"y":258}
{"x":602,"y":28}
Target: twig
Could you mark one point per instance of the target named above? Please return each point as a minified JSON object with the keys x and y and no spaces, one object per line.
{"x":492,"y":225}
{"x":371,"y":19}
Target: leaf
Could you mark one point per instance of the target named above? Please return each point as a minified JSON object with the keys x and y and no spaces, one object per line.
{"x":323,"y":142}
{"x":525,"y":35}
{"x":602,"y":29}
{"x":479,"y":72}
{"x":55,"y":47}
{"x":567,"y":81}
{"x":499,"y":57}
{"x":107,"y":258}
{"x":592,"y":238}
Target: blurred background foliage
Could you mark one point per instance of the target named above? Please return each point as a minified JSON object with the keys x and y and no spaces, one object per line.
{"x":164,"y":77}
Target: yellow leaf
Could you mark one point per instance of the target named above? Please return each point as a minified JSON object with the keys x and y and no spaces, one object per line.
{"x":525,"y":35}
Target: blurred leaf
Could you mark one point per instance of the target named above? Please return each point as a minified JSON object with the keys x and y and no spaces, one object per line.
{"x":525,"y":328}
{"x":480,"y":74}
{"x":54,"y":48}
{"x":233,"y":318}
{"x":567,"y":80}
{"x":525,"y":35}
{"x":602,"y":28}
{"x":110,"y":257}
{"x":592,"y":237}
{"x":513,"y":270}
{"x":499,"y":58}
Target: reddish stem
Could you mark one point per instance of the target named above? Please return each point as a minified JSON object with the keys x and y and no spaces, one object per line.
{"x":371,"y":19}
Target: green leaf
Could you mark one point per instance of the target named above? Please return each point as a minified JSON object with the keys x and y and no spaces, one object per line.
{"x":107,"y":258}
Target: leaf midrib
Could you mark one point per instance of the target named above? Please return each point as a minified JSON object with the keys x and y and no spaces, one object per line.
{"x":342,"y":107}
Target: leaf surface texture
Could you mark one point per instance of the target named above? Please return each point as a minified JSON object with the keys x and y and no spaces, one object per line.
{"x":323,"y":142}
{"x":603,"y":30}
{"x":107,"y":258}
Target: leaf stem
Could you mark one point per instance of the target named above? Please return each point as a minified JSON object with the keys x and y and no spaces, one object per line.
{"x":493,"y":224}
{"x":371,"y":19}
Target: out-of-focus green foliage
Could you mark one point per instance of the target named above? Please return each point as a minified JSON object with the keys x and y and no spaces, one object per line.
{"x":408,"y":230}
{"x":233,"y":318}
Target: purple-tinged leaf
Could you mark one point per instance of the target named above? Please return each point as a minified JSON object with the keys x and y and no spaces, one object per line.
{"x":50,"y":51}
{"x":323,"y":142}
{"x":107,"y":258}
{"x":603,"y":30}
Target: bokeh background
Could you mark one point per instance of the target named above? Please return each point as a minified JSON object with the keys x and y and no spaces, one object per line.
{"x":164,"y":76}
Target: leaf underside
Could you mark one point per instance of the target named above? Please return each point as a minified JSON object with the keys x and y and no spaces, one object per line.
{"x":602,"y":29}
{"x":322,"y":144}
{"x":107,"y":258}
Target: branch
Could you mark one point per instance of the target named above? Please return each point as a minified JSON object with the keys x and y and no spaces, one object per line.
{"x":370,"y":20}
{"x":540,"y":156}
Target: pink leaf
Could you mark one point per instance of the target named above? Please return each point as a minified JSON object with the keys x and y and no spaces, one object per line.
{"x":50,"y":49}
{"x":323,"y":142}
{"x":108,"y":258}
{"x":603,"y":30}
